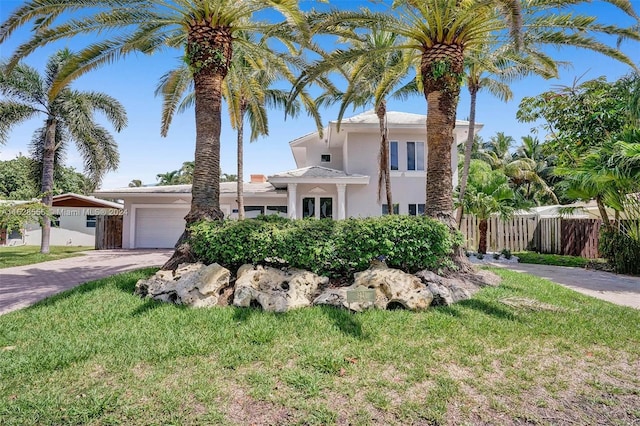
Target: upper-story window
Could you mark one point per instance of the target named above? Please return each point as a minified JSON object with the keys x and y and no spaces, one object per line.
{"x":325,"y":158}
{"x":393,"y":155}
{"x":415,"y":155}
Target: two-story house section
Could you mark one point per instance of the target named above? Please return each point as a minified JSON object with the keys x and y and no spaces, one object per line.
{"x":336,"y":177}
{"x":337,"y":173}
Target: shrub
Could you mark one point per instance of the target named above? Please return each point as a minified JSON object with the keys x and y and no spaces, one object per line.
{"x":621,"y":251}
{"x":506,"y":253}
{"x":496,"y":256}
{"x":479,"y":256}
{"x":327,"y":247}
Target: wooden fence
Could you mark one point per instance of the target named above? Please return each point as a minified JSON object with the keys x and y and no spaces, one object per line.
{"x":574,"y":237}
{"x":108,"y":232}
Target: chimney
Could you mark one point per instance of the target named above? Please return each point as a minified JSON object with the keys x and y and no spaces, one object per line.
{"x":258,"y":178}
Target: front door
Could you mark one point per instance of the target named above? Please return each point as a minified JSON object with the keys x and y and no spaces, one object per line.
{"x":318,"y":207}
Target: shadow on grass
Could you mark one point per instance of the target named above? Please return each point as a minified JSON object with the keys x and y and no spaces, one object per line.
{"x":488,"y":308}
{"x":347,"y":322}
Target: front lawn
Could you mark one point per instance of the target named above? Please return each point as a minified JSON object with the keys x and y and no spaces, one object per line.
{"x":528,"y":351}
{"x":556,"y":259}
{"x":27,"y":255}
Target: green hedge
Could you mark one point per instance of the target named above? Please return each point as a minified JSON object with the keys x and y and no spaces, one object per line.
{"x":620,"y":251}
{"x":328,"y":247}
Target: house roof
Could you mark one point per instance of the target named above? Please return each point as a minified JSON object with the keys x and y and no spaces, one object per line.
{"x":317,"y":174}
{"x":168,"y":190}
{"x":76,"y":200}
{"x":394,"y":118}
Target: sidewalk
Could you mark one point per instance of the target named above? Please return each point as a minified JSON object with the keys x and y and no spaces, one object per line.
{"x":619,"y":289}
{"x":23,"y":286}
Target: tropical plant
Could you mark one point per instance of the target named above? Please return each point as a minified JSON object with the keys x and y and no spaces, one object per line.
{"x":488,"y":193}
{"x":206,"y":30}
{"x":69,"y":117}
{"x":493,"y":70}
{"x":135,"y":183}
{"x":440,"y":33}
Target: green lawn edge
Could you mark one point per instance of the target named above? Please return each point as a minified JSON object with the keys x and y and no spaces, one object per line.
{"x":29,"y":255}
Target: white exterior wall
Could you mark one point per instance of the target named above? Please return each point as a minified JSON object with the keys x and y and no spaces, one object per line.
{"x":73,"y":230}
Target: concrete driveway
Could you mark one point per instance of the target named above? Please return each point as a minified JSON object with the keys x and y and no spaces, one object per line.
{"x":22,"y":286}
{"x":619,"y":289}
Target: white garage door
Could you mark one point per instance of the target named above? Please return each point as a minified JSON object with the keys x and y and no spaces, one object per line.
{"x":159,"y":227}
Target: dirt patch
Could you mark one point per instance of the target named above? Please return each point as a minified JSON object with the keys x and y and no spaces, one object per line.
{"x":241,"y":408}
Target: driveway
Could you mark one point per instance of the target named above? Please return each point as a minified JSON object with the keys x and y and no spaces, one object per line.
{"x":619,"y":289}
{"x":22,"y":286}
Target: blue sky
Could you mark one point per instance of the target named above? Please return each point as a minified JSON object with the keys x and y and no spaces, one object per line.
{"x":144,"y":153}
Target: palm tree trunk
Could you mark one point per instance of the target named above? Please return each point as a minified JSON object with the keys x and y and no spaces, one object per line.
{"x":441,"y":69}
{"x":243,"y":109}
{"x":603,"y":214}
{"x":384,"y":169}
{"x":48,"y":159}
{"x":468,"y":148}
{"x":483,"y":226}
{"x":209,"y":49}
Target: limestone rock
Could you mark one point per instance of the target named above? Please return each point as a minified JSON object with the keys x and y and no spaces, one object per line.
{"x":456,"y":286}
{"x":395,"y":288}
{"x":190,"y":284}
{"x":275,"y":289}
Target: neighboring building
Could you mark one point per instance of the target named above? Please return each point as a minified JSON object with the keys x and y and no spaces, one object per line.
{"x":336,"y":178}
{"x":73,"y":222}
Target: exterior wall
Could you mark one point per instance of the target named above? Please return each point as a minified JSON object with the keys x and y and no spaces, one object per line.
{"x":73,"y":230}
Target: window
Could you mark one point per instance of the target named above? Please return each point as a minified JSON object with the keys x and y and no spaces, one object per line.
{"x":309,"y":207}
{"x":55,"y":220}
{"x":415,"y":155}
{"x":251,"y":212}
{"x":393,"y":155}
{"x":325,"y":158}
{"x":416,"y":209}
{"x":279,"y":210}
{"x":91,"y":221}
{"x":15,"y":234}
{"x":385,"y":209}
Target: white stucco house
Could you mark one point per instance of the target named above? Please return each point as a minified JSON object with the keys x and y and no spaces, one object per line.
{"x":74,"y":219}
{"x":336,"y":177}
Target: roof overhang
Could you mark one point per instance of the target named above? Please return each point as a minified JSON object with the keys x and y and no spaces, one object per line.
{"x":347,"y":180}
{"x":77,"y":200}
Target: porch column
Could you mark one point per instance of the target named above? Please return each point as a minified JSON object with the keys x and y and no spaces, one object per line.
{"x":342,"y":209}
{"x":291,"y":198}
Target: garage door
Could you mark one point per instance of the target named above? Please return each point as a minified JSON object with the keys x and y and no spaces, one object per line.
{"x":159,"y":227}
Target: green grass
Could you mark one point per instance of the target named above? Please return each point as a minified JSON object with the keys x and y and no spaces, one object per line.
{"x":27,"y":255}
{"x":97,"y":355}
{"x":554,"y":259}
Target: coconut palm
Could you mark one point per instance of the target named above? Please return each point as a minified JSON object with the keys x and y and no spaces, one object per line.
{"x":440,"y":33}
{"x":69,"y":118}
{"x":169,"y":178}
{"x":206,"y":31}
{"x":375,"y":70}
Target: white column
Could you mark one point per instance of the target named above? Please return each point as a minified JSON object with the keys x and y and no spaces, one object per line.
{"x":342,"y":208}
{"x":292,"y":199}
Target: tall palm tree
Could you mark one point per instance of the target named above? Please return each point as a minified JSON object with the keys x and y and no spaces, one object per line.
{"x":205,"y":29}
{"x":440,"y":33}
{"x":375,"y":70}
{"x":169,"y":178}
{"x":247,"y":92}
{"x":493,"y":70}
{"x":69,"y":117}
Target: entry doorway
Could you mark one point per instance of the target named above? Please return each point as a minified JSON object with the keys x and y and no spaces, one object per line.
{"x":318,"y":207}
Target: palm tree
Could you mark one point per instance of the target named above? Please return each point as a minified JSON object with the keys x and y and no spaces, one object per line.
{"x":440,"y":33}
{"x":206,"y":30}
{"x":247,"y":92}
{"x":135,"y":183}
{"x":374,"y":68}
{"x":482,"y":66}
{"x":488,"y":193}
{"x":69,"y":117}
{"x":539,"y":186}
{"x":169,"y":178}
